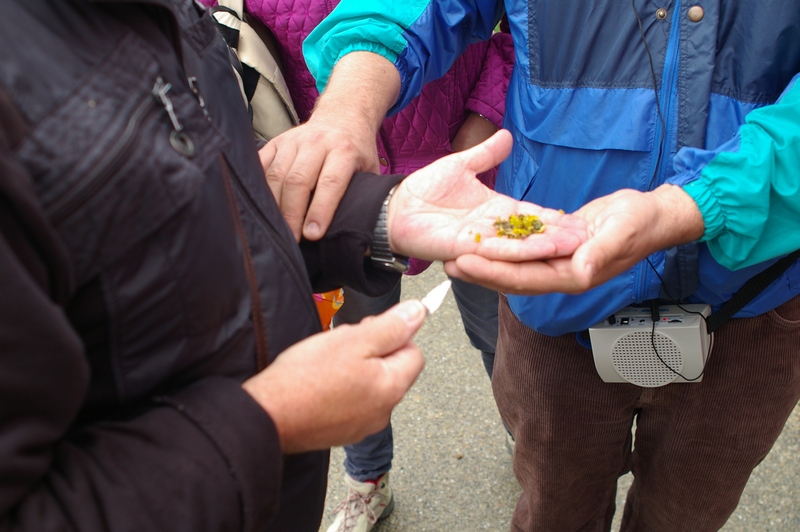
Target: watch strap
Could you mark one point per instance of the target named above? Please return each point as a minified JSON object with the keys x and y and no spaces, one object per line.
{"x":381,"y":252}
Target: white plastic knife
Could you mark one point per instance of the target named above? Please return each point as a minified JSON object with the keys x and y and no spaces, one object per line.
{"x":433,"y":300}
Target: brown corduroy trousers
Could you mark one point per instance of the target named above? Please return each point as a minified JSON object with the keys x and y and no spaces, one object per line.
{"x":696,"y":444}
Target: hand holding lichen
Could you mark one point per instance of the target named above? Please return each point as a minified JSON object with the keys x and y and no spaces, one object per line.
{"x":442,"y":212}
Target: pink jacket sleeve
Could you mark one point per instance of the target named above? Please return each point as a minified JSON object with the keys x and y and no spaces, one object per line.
{"x":488,"y":98}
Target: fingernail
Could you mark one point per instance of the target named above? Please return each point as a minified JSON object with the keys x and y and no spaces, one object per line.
{"x":411,"y":311}
{"x":312,"y":230}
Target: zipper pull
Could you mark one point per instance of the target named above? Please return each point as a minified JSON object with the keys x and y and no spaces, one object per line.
{"x":196,"y":91}
{"x":180,"y":141}
{"x":160,"y":90}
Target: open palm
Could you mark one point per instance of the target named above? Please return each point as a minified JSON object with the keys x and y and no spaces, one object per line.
{"x":622,"y":228}
{"x":441,"y":212}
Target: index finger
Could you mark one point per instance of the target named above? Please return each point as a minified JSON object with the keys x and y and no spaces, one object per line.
{"x":334,"y":178}
{"x":297,"y":187}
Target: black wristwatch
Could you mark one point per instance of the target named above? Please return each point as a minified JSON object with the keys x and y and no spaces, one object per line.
{"x":381,"y":252}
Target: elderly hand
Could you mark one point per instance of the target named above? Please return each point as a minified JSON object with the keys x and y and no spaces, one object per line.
{"x":339,"y":386}
{"x":319,"y":158}
{"x":441,"y":212}
{"x":622,"y":229}
{"x":308,"y":168}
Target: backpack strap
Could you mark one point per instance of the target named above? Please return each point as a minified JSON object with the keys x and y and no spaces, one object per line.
{"x":257,"y":64}
{"x":228,"y":16}
{"x":237,"y":6}
{"x":749,"y":291}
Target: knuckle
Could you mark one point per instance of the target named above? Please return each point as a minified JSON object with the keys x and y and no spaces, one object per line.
{"x":332,"y":180}
{"x":275,"y":173}
{"x":296,"y":180}
{"x":291,"y":217}
{"x":266,"y":155}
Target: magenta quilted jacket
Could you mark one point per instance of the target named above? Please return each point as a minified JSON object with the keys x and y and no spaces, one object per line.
{"x":422,"y":131}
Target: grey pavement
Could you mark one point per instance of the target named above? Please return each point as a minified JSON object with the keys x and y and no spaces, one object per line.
{"x":452,"y":472}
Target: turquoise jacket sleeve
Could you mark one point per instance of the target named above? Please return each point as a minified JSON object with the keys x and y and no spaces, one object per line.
{"x":748,"y":190}
{"x":421,"y":37}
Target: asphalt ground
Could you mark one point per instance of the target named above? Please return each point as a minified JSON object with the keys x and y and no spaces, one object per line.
{"x":452,"y":471}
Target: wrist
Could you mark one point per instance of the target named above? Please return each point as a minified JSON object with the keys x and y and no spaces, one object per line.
{"x":678,"y":216}
{"x":270,"y":394}
{"x":379,"y":85}
{"x":256,"y":390}
{"x":475,"y":129}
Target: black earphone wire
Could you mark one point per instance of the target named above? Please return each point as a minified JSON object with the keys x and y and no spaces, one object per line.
{"x":649,"y":187}
{"x":655,"y":92}
{"x":653,"y":330}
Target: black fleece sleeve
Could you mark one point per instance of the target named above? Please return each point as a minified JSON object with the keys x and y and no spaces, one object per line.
{"x":205,"y":458}
{"x":339,"y":258}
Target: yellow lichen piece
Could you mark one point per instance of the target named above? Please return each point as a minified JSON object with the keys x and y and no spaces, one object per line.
{"x":519,"y":226}
{"x":477,"y":237}
{"x":560,"y":211}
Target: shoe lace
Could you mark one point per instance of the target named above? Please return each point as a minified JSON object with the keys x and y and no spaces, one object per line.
{"x":354,"y":505}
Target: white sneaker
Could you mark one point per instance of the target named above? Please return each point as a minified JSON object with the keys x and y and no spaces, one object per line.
{"x":365,"y":504}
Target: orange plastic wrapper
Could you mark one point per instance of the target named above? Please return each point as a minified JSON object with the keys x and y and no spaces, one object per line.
{"x":328,"y":303}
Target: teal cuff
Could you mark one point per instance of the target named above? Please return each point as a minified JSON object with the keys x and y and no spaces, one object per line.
{"x":350,"y":29}
{"x":373,"y":47}
{"x":710,"y":209}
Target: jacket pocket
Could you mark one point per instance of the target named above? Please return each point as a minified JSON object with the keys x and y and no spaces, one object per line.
{"x":107,"y":163}
{"x":591,"y":118}
{"x":572,"y":44}
{"x":587,"y":142}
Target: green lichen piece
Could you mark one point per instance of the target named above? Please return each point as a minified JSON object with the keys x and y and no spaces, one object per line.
{"x":519,"y":226}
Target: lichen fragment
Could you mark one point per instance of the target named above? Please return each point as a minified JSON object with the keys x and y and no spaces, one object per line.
{"x":519,"y":226}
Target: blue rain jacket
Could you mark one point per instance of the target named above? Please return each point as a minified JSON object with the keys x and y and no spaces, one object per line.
{"x":597,"y":104}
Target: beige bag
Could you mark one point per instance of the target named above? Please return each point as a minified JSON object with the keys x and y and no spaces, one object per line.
{"x":260,"y":78}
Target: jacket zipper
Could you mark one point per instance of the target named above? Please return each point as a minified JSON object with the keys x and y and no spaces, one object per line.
{"x":274,"y":233}
{"x":668,"y":79}
{"x":103,"y":171}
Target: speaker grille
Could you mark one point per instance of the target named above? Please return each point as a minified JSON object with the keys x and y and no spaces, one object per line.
{"x":634,"y":359}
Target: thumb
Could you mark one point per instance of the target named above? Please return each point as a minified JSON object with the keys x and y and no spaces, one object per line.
{"x":390,"y":335}
{"x":603,"y":256}
{"x":488,"y":153}
{"x":390,"y":331}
